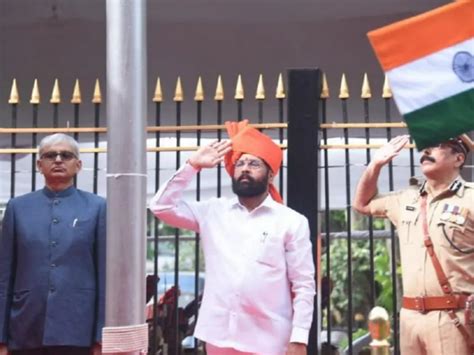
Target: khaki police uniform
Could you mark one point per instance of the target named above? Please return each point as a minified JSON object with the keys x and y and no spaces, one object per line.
{"x":450,"y":218}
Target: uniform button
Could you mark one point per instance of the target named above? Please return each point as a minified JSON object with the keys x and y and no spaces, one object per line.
{"x":53,"y":265}
{"x":56,"y":202}
{"x":54,"y":243}
{"x":55,"y":220}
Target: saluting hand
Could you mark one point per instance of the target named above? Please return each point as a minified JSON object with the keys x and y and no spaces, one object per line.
{"x":210,"y":155}
{"x":390,"y":150}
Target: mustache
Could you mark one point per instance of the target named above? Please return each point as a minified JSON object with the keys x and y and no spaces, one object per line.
{"x":427,"y":157}
{"x":246,"y":176}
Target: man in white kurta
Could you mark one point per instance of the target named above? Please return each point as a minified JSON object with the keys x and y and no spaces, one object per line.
{"x":259,"y":290}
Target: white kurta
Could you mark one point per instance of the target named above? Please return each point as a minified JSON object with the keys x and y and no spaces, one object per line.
{"x":260,"y":286}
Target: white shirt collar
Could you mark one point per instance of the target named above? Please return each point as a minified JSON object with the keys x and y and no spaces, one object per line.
{"x":269,"y":202}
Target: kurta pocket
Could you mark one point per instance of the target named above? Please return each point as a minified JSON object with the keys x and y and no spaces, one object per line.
{"x":269,"y":252}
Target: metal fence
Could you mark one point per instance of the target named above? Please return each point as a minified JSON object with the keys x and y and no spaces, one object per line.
{"x":357,"y":259}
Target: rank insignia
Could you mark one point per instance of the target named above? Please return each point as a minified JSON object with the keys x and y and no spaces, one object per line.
{"x":454,"y":214}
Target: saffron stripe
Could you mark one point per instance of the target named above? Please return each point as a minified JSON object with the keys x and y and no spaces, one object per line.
{"x":416,"y":37}
{"x":431,"y":78}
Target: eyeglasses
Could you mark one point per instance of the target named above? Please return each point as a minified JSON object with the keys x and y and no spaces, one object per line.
{"x":64,"y":155}
{"x":252,"y":164}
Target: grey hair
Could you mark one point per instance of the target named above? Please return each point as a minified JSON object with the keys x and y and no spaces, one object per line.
{"x":59,"y":138}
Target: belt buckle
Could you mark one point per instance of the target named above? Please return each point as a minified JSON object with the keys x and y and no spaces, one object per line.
{"x":420,"y":304}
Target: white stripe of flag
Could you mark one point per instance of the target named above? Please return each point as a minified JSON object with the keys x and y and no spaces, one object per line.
{"x":421,"y":82}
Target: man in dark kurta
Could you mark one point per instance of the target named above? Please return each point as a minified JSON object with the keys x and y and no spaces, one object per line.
{"x":52,"y":261}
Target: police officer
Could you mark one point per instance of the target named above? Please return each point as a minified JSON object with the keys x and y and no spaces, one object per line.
{"x":435,"y":223}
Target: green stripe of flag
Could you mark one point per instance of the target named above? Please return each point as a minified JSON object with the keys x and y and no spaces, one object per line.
{"x":442,"y":120}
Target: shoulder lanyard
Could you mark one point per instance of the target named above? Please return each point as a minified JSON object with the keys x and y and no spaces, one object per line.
{"x":442,"y":279}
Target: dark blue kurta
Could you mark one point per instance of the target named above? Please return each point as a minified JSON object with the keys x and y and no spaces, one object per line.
{"x":52,"y":269}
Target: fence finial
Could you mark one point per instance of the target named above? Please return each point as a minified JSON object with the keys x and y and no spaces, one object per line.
{"x":260,"y":93}
{"x":14,"y":96}
{"x":366,"y":93}
{"x":97,"y":97}
{"x":239,"y":89}
{"x":35,"y":94}
{"x":56,"y":94}
{"x":178,"y":92}
{"x":76,"y":94}
{"x":379,"y":328}
{"x":386,"y":91}
{"x":199,"y":95}
{"x":219,"y":95}
{"x":158,"y":96}
{"x":344,"y":90}
{"x":280,"y":90}
{"x":325,"y":88}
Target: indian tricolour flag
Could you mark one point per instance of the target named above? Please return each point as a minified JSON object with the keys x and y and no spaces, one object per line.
{"x":429,"y":62}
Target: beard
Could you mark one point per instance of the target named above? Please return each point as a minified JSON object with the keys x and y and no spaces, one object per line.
{"x":251,"y":187}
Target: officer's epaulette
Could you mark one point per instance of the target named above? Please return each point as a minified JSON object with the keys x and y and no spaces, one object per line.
{"x":416,"y":181}
{"x":469,"y":185}
{"x":455,"y":185}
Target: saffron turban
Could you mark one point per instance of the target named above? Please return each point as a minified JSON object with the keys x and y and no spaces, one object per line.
{"x":248,"y":140}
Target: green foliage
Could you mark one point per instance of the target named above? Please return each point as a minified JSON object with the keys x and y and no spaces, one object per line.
{"x":163,"y":229}
{"x":383,"y":277}
{"x":187,"y":256}
{"x":337,"y":221}
{"x":361,"y":283}
{"x":378,"y":223}
{"x":166,"y":247}
{"x":360,"y":332}
{"x":361,"y":274}
{"x":361,"y":222}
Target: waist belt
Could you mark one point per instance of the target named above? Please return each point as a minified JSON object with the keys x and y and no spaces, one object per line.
{"x":431,"y":303}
